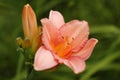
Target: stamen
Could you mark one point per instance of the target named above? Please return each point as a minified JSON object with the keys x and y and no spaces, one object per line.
{"x":62,"y":37}
{"x":73,"y":38}
{"x":68,"y":43}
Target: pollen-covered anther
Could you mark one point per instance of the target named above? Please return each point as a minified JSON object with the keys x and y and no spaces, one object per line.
{"x":73,"y":38}
{"x":68,"y":43}
{"x":63,"y":37}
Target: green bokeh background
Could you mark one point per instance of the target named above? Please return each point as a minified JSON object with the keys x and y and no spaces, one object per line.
{"x":103,"y":17}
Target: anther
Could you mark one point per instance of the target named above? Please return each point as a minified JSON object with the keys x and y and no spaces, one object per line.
{"x":73,"y":38}
{"x":62,"y":37}
{"x":68,"y":43}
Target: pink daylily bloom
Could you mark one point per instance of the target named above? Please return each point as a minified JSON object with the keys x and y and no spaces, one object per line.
{"x":64,"y":43}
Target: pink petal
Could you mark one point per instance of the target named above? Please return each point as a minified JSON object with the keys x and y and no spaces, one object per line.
{"x":56,"y":18}
{"x":44,"y":59}
{"x":87,"y":49}
{"x":73,"y":62}
{"x":77,"y":33}
{"x":50,"y":33}
{"x":76,"y":64}
{"x":79,"y":41}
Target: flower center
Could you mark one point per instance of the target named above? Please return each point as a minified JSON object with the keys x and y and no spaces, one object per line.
{"x":62,"y":48}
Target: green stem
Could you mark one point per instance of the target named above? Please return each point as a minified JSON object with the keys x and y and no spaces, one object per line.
{"x":29,"y":77}
{"x":19,"y":67}
{"x":20,"y":64}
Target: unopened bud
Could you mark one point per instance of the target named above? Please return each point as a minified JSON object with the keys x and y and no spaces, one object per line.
{"x":30,"y":28}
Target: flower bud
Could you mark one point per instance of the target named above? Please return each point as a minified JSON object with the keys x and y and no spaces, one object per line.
{"x":30,"y":27}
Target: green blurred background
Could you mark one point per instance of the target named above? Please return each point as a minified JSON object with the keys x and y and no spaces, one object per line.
{"x":103,"y":17}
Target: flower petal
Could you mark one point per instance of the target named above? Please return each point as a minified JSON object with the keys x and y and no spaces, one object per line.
{"x":50,"y":33}
{"x":76,"y":64}
{"x":73,"y":62}
{"x":79,"y":41}
{"x":56,"y":18}
{"x":77,"y":33}
{"x":44,"y":59}
{"x":87,"y":49}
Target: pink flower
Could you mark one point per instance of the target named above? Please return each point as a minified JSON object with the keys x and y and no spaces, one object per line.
{"x":64,"y":43}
